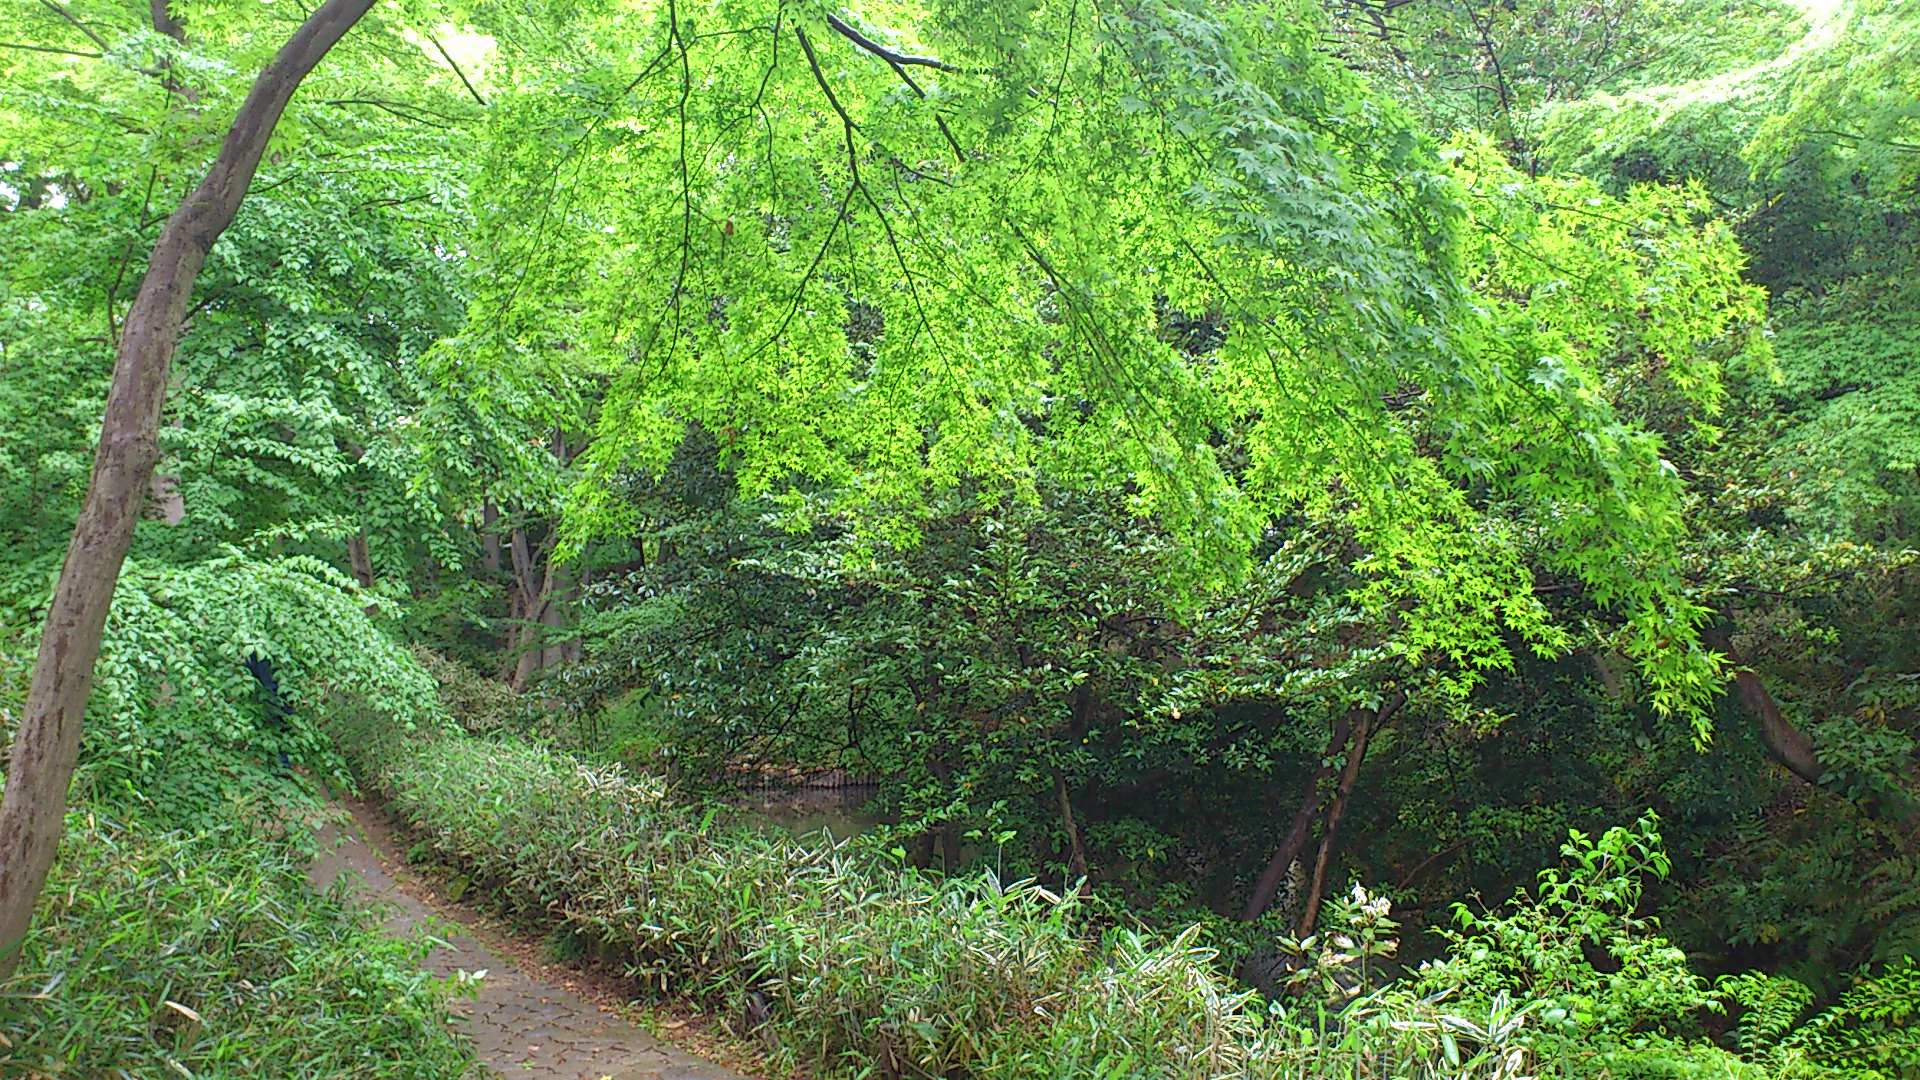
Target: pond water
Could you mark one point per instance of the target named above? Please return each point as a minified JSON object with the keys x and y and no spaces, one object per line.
{"x":800,"y":810}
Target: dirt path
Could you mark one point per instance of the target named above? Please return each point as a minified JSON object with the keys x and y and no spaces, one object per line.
{"x":524,"y":1023}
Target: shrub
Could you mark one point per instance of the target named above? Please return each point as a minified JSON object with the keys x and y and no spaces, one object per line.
{"x":158,"y":953}
{"x":481,"y":705}
{"x":176,"y":721}
{"x":849,"y":966}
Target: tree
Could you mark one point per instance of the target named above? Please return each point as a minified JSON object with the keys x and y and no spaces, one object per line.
{"x":47,"y":743}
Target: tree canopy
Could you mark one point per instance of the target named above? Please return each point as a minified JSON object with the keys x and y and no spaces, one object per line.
{"x":1197,"y":455}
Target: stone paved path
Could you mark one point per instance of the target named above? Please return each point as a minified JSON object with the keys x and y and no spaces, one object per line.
{"x":522,"y":1025}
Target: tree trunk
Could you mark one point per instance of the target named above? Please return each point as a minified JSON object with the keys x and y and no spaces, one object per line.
{"x":48,"y":742}
{"x":561,"y":592}
{"x":1268,"y":886}
{"x":489,"y":538}
{"x":1076,"y":850}
{"x":1784,"y":742}
{"x":1337,"y":809}
{"x":533,"y":588}
{"x":361,"y":561}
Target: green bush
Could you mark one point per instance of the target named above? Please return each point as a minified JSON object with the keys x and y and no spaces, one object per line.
{"x":852,"y":967}
{"x":845,"y":966}
{"x":481,"y":705}
{"x":163,"y":953}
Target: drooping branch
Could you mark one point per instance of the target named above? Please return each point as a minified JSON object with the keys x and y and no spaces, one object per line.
{"x":896,"y":59}
{"x":899,"y":63}
{"x":50,"y":49}
{"x":93,"y":36}
{"x":444,"y":55}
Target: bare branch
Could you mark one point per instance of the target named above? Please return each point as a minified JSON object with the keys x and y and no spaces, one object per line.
{"x":897,"y":59}
{"x":61,"y":11}
{"x":899,"y":63}
{"x":50,"y":49}
{"x":442,"y":50}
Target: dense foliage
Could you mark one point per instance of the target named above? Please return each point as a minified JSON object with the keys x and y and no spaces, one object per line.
{"x":1262,"y":475}
{"x":851,"y":965}
{"x":207,"y":954}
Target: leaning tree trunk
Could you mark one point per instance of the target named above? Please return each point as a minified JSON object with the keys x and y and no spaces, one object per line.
{"x":1268,"y":887}
{"x":1786,"y":744}
{"x":48,"y":742}
{"x":1363,"y":730}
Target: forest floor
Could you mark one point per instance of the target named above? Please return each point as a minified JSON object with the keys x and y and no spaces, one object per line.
{"x":531,"y":1018}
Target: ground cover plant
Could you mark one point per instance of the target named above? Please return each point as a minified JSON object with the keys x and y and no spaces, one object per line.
{"x":846,"y":962}
{"x":172,"y":952}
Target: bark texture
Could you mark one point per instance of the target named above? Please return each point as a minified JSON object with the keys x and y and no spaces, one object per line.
{"x":1295,"y":840}
{"x":1789,"y":746}
{"x":48,"y":742}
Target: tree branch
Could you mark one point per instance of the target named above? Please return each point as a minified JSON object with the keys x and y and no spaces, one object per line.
{"x":50,"y":49}
{"x":442,"y":50}
{"x":897,"y":59}
{"x":61,"y":11}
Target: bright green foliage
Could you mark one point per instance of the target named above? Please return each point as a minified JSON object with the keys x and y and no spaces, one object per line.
{"x":300,"y":412}
{"x":1476,"y":65}
{"x":1872,"y":1031}
{"x":939,"y":283}
{"x":178,"y":724}
{"x":1849,"y":98}
{"x":1600,"y":301}
{"x":1066,"y":431}
{"x":1852,"y":388}
{"x":1538,"y":947}
{"x":162,"y":953}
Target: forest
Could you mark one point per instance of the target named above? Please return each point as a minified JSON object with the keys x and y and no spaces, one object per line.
{"x":961,"y":538}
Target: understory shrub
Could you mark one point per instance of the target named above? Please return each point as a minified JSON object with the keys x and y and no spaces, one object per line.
{"x":852,"y":966}
{"x":205,"y":954}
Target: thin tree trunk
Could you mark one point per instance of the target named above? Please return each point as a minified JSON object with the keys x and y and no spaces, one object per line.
{"x":508,"y":655}
{"x":1363,"y":730}
{"x":1785,"y":743}
{"x":1076,"y":851}
{"x":48,"y":741}
{"x":534,"y":593}
{"x":1265,"y":889}
{"x":523,"y":597}
{"x":361,"y":562}
{"x":489,"y":538}
{"x":562,"y":591}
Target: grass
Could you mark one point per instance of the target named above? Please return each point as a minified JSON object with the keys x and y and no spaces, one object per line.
{"x":205,"y":954}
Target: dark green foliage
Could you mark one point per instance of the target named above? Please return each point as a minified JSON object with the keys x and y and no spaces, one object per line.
{"x":1016,"y":652}
{"x":206,"y":954}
